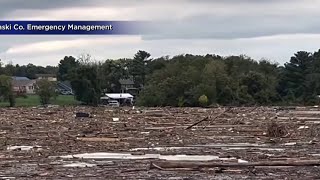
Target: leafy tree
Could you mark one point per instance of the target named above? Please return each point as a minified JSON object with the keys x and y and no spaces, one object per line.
{"x":9,"y":69}
{"x":137,"y":67}
{"x":66,"y":66}
{"x":182,"y":79}
{"x":258,"y":87}
{"x":111,"y":71}
{"x":45,"y":90}
{"x":295,"y":76}
{"x":313,"y":78}
{"x":31,"y":71}
{"x":6,"y":91}
{"x":87,"y":84}
{"x":203,"y":100}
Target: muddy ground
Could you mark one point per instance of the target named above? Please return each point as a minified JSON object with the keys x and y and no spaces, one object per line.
{"x":126,"y":143}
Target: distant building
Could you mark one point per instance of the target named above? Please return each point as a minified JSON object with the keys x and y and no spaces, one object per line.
{"x":49,"y":77}
{"x":19,"y":78}
{"x":23,"y":86}
{"x":127,"y":86}
{"x":122,"y":98}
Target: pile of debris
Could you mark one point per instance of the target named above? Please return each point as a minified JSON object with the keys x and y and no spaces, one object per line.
{"x":160,"y":143}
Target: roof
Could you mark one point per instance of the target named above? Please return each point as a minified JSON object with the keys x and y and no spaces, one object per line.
{"x":126,"y":81}
{"x":119,"y":95}
{"x":19,"y":78}
{"x":46,"y":75}
{"x":18,"y":83}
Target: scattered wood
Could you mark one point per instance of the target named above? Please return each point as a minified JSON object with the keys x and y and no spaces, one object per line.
{"x":98,"y":139}
{"x":204,"y":119}
{"x":276,"y":130}
{"x":194,"y":165}
{"x":207,"y":118}
{"x":49,"y":113}
{"x":82,"y":114}
{"x":57,"y":133}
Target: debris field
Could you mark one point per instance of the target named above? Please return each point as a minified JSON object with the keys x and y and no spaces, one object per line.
{"x":160,"y":143}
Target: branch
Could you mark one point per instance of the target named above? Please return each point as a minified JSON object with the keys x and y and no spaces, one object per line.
{"x":207,"y":118}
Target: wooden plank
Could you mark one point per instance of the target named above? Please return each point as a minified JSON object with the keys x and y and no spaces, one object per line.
{"x":192,"y":164}
{"x":99,"y":139}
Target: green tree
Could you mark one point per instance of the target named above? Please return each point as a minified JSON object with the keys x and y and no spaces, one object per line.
{"x":295,"y":76}
{"x":66,"y":66}
{"x":257,"y":87}
{"x":111,"y":71}
{"x":203,"y":100}
{"x":137,"y":67}
{"x":6,"y":91}
{"x":9,"y":69}
{"x":87,"y":84}
{"x":45,"y":90}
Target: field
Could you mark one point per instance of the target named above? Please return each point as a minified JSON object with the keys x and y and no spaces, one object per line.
{"x":160,"y":143}
{"x":33,"y":100}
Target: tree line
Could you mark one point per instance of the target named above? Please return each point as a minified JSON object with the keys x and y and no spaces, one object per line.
{"x":193,"y":80}
{"x":30,"y":70}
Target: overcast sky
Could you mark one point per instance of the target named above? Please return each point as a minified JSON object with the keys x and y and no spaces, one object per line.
{"x":269,"y":29}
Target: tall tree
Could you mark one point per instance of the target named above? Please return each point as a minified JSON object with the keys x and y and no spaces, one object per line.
{"x":111,"y":71}
{"x":295,"y":75}
{"x":66,"y":66}
{"x":137,"y":67}
{"x":6,"y":91}
{"x":86,"y":83}
{"x":9,"y":69}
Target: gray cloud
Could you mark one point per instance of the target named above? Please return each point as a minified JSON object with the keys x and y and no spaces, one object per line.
{"x":205,"y":26}
{"x":190,"y":26}
{"x":188,"y":18}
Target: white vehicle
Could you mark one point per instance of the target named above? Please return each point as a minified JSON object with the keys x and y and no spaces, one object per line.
{"x":113,"y":103}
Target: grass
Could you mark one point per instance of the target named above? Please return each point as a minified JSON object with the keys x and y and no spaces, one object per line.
{"x":33,"y":100}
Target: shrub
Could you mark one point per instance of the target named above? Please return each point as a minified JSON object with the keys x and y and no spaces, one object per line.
{"x":45,"y":90}
{"x":203,"y":100}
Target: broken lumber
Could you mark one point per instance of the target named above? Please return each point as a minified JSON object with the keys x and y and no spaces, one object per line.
{"x":98,"y":139}
{"x":207,"y":118}
{"x":204,"y":119}
{"x":81,"y":114}
{"x":194,"y":165}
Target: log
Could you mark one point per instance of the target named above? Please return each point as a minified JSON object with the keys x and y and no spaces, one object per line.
{"x":191,"y":164}
{"x":98,"y":139}
{"x":198,"y":122}
{"x":81,"y":114}
{"x":207,"y":118}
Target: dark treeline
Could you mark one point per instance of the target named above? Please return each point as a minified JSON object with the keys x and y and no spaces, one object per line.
{"x":30,"y":71}
{"x":193,"y":80}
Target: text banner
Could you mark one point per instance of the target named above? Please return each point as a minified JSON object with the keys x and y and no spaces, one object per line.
{"x":72,"y":27}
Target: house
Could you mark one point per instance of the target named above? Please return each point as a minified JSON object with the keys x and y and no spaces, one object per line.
{"x":49,"y":77}
{"x":23,"y":86}
{"x":19,"y":78}
{"x":127,"y":86}
{"x":122,"y":98}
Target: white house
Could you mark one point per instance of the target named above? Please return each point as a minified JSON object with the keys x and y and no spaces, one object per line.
{"x":120,"y":97}
{"x":24,"y":86}
{"x":49,"y":77}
